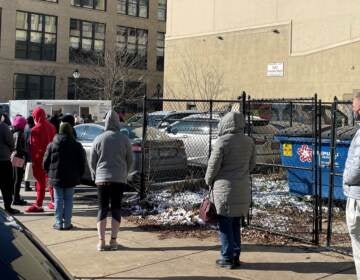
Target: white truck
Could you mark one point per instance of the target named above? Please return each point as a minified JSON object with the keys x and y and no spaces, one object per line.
{"x":83,"y":108}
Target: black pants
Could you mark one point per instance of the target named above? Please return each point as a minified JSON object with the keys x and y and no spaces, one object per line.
{"x":18,"y":176}
{"x":6,"y":182}
{"x":110,"y":193}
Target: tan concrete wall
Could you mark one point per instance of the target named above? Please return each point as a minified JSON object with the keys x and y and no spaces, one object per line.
{"x":316,"y":24}
{"x":317,"y":41}
{"x":242,"y":58}
{"x":62,"y":69}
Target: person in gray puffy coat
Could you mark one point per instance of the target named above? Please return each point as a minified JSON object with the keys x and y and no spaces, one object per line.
{"x":111,"y":160}
{"x":228,"y":172}
{"x":351,"y":187}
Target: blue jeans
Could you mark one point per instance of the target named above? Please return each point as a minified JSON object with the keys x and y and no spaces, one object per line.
{"x":63,"y":205}
{"x":230,"y":237}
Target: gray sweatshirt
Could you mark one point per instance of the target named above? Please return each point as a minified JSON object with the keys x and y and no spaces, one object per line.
{"x":6,"y":142}
{"x":111,"y":155}
{"x":351,"y":177}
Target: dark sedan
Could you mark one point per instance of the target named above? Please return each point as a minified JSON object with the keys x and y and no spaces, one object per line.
{"x":22,"y":256}
{"x":165,"y":157}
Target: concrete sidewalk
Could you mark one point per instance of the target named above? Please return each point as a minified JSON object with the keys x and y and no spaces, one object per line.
{"x":143,"y":255}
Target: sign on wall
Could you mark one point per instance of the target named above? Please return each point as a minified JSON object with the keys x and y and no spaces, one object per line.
{"x":275,"y":70}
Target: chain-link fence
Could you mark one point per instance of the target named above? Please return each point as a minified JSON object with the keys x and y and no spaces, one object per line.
{"x":295,"y":154}
{"x":335,"y":144}
{"x":284,"y":199}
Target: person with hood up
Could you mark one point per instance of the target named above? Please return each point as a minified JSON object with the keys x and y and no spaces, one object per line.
{"x":110,"y":162}
{"x":19,"y":123}
{"x":41,"y":135}
{"x":6,"y":172}
{"x":64,"y":162}
{"x":228,"y":173}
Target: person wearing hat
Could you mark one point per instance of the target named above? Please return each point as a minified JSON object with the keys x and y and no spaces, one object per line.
{"x":19,"y":123}
{"x":64,"y":162}
{"x":68,"y":118}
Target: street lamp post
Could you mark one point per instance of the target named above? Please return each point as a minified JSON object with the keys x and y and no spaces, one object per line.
{"x":158,"y":92}
{"x":76,"y":76}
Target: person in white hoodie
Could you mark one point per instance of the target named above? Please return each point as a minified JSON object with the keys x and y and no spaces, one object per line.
{"x":351,"y":187}
{"x":111,"y":159}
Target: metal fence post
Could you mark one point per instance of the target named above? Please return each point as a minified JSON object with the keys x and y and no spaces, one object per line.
{"x":244,"y":103}
{"x":143,"y":149}
{"x":248,"y":113}
{"x":315,"y":172}
{"x":210,"y":129}
{"x":331,"y":171}
{"x":291,"y":114}
{"x":319,"y":165}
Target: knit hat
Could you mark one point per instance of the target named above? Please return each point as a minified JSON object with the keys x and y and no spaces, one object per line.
{"x":66,"y":128}
{"x":68,"y":119}
{"x":19,"y":122}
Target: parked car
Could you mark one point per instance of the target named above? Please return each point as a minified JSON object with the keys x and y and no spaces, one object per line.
{"x":197,"y":131}
{"x":165,"y":157}
{"x":161,"y":119}
{"x":23,"y":256}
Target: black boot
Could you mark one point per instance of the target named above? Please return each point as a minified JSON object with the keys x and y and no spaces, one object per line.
{"x":20,"y":202}
{"x":236,"y":261}
{"x":225,"y":264}
{"x":27,"y":187}
{"x":12,"y":211}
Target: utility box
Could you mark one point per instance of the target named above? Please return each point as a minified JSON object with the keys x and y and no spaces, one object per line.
{"x":86,"y":109}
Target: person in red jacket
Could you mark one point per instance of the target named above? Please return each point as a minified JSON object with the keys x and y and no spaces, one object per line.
{"x":41,"y":135}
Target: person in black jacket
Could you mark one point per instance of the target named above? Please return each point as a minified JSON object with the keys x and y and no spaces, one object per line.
{"x":64,"y":162}
{"x":19,"y":123}
{"x":6,"y":175}
{"x":27,"y":131}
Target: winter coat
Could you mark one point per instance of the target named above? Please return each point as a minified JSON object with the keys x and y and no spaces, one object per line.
{"x":111,"y":155}
{"x":41,"y":135}
{"x":231,"y":161}
{"x":19,"y":141}
{"x":27,"y":133}
{"x":64,"y":161}
{"x":6,"y":142}
{"x":351,"y":176}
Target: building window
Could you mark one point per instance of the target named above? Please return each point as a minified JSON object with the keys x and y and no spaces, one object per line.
{"x":161,"y":14}
{"x":136,"y":8}
{"x":160,"y":46}
{"x":132,"y":44}
{"x":90,"y":4}
{"x":34,"y":87}
{"x":87,"y":41}
{"x":35,"y":36}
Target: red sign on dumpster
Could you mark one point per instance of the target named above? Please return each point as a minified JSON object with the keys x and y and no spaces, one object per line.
{"x":305,"y":153}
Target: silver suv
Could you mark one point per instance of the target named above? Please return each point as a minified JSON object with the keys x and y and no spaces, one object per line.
{"x":197,"y":131}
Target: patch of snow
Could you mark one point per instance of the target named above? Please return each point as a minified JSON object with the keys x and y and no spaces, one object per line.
{"x":273,"y":205}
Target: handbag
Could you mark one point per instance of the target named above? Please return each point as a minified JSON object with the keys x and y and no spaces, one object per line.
{"x":207,"y":211}
{"x":29,"y":176}
{"x":17,"y":161}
